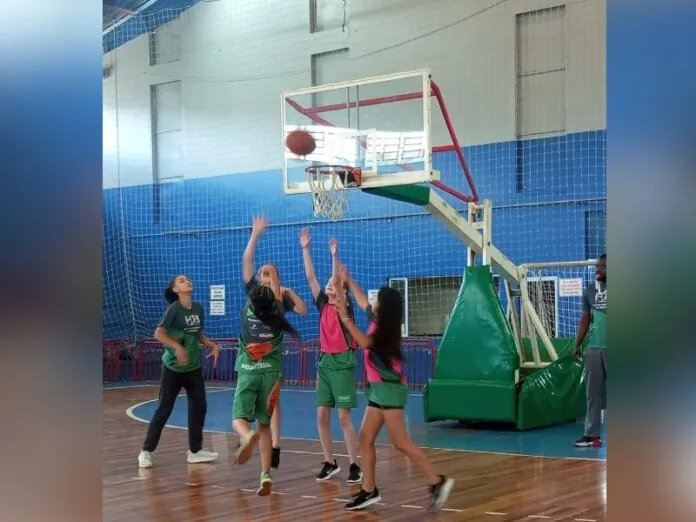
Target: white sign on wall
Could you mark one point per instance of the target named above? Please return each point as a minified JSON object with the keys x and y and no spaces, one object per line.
{"x":217,"y":292}
{"x":570,"y":287}
{"x":217,"y":307}
{"x":372,"y":296}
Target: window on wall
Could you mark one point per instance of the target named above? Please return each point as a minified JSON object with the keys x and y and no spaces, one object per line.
{"x":166,"y":109}
{"x":541,"y":72}
{"x":166,"y":126}
{"x":595,"y":233}
{"x":428,"y":303}
{"x":164,"y":43}
{"x":326,"y":15}
{"x":540,"y":81}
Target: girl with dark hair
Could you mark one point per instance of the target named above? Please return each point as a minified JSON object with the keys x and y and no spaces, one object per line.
{"x":181,"y":333}
{"x":258,"y":363}
{"x":292,"y":303}
{"x":387,"y":394}
{"x":336,"y":384}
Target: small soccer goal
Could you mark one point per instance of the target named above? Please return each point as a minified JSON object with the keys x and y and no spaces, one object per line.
{"x":544,"y":309}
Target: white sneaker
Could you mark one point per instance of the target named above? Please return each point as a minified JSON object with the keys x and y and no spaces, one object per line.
{"x":145,"y":459}
{"x":201,"y":457}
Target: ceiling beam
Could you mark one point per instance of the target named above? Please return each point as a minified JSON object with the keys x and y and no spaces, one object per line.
{"x":117,"y":9}
{"x":129,"y":16}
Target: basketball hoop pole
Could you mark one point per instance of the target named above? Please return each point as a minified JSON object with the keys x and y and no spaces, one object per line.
{"x":313,"y":115}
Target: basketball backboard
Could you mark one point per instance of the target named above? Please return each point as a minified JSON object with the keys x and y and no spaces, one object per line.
{"x":380,"y":124}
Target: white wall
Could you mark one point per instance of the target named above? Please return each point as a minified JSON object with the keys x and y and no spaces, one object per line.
{"x":238,"y":55}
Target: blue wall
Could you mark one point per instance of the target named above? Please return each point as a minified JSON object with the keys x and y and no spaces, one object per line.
{"x":203,"y":226}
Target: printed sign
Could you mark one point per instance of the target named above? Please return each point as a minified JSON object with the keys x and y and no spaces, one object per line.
{"x":372,"y":296}
{"x":217,"y":307}
{"x":570,"y":287}
{"x":217,"y":292}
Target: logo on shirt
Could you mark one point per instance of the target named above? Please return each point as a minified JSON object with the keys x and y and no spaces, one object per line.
{"x":192,"y":322}
{"x":257,"y":366}
{"x":600,"y":300}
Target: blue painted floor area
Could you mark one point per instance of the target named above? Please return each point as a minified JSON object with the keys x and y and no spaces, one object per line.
{"x":298,"y":421}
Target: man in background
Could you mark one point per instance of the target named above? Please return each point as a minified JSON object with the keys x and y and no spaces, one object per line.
{"x":594,"y":320}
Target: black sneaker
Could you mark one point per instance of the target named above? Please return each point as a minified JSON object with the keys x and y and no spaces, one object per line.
{"x":275,"y":458}
{"x":588,"y":442}
{"x":328,"y":470}
{"x":363,"y":500}
{"x":355,"y":474}
{"x":440,"y":492}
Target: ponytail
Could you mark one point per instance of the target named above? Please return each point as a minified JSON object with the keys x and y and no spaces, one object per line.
{"x":264,"y":307}
{"x":169,"y":294}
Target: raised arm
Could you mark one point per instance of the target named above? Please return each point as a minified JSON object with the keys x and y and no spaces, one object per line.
{"x":360,"y":297}
{"x":298,"y":305}
{"x":335,"y":263}
{"x":362,"y":339}
{"x":258,"y":228}
{"x":308,"y":264}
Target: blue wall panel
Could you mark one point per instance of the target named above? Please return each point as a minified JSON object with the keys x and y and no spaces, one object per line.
{"x":203,"y":227}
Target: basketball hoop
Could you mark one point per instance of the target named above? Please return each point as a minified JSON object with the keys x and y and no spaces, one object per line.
{"x":328,"y":184}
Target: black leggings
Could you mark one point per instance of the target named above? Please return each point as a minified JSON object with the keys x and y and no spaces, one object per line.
{"x":171,"y":385}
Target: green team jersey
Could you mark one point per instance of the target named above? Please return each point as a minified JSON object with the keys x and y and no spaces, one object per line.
{"x":254,"y":334}
{"x":184,"y":325}
{"x":595,"y":301}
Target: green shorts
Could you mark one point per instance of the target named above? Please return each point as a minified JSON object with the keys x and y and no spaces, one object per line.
{"x":252,"y":394}
{"x":387,"y":395}
{"x":336,"y":388}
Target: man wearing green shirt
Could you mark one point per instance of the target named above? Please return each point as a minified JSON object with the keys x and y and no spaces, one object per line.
{"x":594,"y":320}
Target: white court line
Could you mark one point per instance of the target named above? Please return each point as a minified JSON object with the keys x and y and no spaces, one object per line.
{"x":495,"y":513}
{"x":538,"y":516}
{"x":452,"y":510}
{"x":222,"y":388}
{"x":585,"y":520}
{"x":309,"y":496}
{"x":129,"y":413}
{"x":409,"y":506}
{"x":128,"y":386}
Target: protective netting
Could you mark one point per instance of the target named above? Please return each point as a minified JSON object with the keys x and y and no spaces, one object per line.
{"x":193,"y":149}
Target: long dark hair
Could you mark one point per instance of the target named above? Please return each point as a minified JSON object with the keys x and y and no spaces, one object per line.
{"x":263,"y":304}
{"x":386,"y":340}
{"x":169,"y":294}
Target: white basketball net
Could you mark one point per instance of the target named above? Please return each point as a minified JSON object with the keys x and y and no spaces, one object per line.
{"x":329,"y":193}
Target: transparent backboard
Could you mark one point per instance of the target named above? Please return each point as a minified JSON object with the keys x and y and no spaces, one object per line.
{"x":380,"y":125}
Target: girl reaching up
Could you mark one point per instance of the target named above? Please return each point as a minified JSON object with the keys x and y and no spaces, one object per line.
{"x":336,"y":385}
{"x":387,"y":393}
{"x":258,"y":363}
{"x":291,"y":303}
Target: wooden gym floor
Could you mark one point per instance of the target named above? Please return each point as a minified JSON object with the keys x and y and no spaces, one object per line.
{"x":489,"y":487}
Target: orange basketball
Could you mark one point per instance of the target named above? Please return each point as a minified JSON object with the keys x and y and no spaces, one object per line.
{"x":300,"y":142}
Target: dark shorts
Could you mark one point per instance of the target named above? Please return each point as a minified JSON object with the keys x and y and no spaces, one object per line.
{"x":371,"y":404}
{"x":387,"y":395}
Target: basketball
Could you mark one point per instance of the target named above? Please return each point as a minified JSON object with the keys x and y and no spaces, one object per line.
{"x":300,"y":142}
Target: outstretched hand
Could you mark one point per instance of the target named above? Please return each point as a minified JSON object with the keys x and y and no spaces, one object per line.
{"x":304,"y":238}
{"x":340,"y":303}
{"x":215,"y":354}
{"x":259,"y":224}
{"x":333,"y":246}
